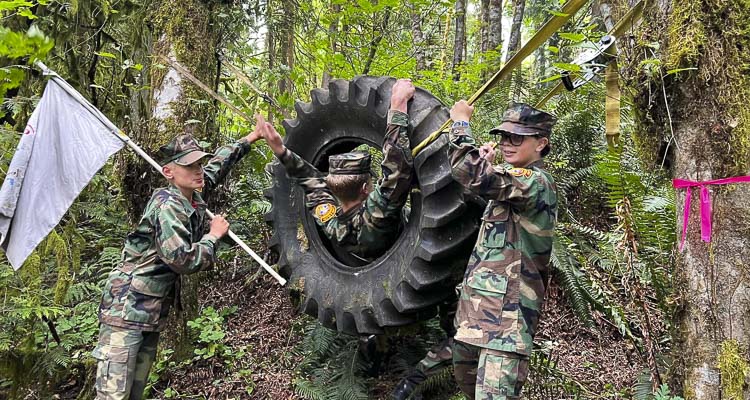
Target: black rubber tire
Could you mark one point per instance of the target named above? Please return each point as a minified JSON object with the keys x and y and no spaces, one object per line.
{"x":406,"y":283}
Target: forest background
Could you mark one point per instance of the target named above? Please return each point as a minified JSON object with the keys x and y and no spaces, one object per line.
{"x":617,"y":319}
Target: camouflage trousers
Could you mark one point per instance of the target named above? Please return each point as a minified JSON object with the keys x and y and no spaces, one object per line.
{"x":486,"y":374}
{"x":124,"y":358}
{"x":440,"y":355}
{"x":437,"y":359}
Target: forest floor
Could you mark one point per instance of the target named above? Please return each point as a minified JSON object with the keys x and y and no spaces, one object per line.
{"x":599,"y":361}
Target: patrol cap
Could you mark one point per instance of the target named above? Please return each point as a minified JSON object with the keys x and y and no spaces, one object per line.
{"x":352,"y":163}
{"x":523,"y":119}
{"x":182,"y":150}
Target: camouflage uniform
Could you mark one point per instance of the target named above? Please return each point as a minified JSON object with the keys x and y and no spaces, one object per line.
{"x":167,"y":243}
{"x":368,"y":230}
{"x":438,"y":358}
{"x":503,"y":287}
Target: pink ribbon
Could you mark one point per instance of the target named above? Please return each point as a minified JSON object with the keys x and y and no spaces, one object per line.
{"x":705,"y":203}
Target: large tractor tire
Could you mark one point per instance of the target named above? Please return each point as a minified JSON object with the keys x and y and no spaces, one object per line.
{"x":420,"y":270}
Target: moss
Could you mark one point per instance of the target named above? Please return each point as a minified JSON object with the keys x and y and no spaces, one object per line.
{"x":702,"y":67}
{"x":55,"y":244}
{"x":686,"y":35}
{"x":734,"y":369}
{"x":190,"y":34}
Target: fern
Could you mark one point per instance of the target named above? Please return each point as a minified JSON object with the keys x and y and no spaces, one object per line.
{"x":441,"y":381}
{"x":570,"y":275}
{"x":308,"y":390}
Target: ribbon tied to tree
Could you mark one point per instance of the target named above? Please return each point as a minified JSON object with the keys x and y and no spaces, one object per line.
{"x":705,"y":203}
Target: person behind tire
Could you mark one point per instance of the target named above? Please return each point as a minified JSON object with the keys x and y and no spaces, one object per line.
{"x":503,"y":288}
{"x":360,"y":222}
{"x":437,"y":359}
{"x":167,"y":243}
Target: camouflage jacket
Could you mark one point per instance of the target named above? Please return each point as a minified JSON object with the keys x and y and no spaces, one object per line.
{"x":167,"y":242}
{"x":503,"y":287}
{"x":368,"y":230}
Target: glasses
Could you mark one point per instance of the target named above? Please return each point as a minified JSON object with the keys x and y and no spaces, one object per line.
{"x":515,"y":140}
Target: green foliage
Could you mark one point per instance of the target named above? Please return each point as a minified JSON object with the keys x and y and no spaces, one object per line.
{"x":608,"y":203}
{"x":210,"y":339}
{"x":734,"y":368}
{"x":29,"y":355}
{"x":332,"y":367}
{"x":547,"y":381}
{"x":16,"y":49}
{"x":664,"y":394}
{"x":33,"y":44}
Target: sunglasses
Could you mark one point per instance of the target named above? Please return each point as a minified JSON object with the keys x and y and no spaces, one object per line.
{"x":515,"y":140}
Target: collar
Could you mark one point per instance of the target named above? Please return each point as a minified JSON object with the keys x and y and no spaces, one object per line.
{"x":197,"y":204}
{"x":350,"y":213}
{"x":536,"y":164}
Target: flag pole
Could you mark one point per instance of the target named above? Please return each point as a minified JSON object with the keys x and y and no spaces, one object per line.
{"x":138,"y":150}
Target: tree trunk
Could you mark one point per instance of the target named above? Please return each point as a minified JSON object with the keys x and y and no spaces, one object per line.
{"x":417,"y":38}
{"x":378,"y":33}
{"x":706,"y":107}
{"x":603,"y":11}
{"x":459,"y":41}
{"x":445,"y":45}
{"x":286,"y":52}
{"x":333,"y":28}
{"x":514,"y":41}
{"x":270,"y":48}
{"x":484,"y":27}
{"x":495,"y":21}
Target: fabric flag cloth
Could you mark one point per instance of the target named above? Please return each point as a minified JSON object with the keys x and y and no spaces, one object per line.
{"x":65,"y":143}
{"x":705,"y":207}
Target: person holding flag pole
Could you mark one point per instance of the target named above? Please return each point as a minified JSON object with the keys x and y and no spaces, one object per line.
{"x":67,"y":140}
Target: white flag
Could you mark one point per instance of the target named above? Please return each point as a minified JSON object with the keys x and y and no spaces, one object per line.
{"x":63,"y":146}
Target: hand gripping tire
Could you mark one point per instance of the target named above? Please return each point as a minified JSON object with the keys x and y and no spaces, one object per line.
{"x":429,"y":257}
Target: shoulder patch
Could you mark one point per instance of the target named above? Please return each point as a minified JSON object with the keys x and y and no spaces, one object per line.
{"x":526,"y":173}
{"x":324,"y":212}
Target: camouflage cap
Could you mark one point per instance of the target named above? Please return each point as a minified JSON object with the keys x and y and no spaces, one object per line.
{"x":352,"y":163}
{"x":523,"y":119}
{"x":182,"y":150}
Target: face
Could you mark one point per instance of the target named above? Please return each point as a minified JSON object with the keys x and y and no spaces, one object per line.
{"x":521,"y":150}
{"x":186,"y":177}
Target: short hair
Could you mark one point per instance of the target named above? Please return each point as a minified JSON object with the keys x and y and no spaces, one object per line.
{"x":347,"y":188}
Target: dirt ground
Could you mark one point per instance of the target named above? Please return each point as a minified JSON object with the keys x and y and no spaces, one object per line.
{"x":598,"y":360}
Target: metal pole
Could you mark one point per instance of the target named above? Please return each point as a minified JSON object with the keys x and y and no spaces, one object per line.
{"x":122,"y":136}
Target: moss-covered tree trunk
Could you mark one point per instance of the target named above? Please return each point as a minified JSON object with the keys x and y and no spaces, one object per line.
{"x":699,"y":103}
{"x":182,"y":32}
{"x":459,"y":41}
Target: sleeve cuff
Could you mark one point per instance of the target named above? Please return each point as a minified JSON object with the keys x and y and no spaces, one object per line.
{"x":210,"y":238}
{"x":285,"y":157}
{"x":244,"y":144}
{"x":396,"y":117}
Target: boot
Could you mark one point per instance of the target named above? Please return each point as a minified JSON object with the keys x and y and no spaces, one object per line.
{"x":408,"y":385}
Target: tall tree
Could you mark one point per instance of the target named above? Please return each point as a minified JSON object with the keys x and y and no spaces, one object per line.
{"x":286,"y":28}
{"x":484,"y":27}
{"x":495,"y":21}
{"x":459,"y":41}
{"x":704,"y":111}
{"x":378,"y":32}
{"x":418,"y":37}
{"x":333,"y":28}
{"x":514,"y":41}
